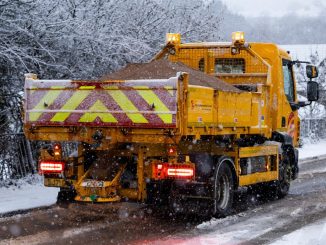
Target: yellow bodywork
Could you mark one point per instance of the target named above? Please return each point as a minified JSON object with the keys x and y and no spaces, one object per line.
{"x":266,"y":151}
{"x":101,"y":191}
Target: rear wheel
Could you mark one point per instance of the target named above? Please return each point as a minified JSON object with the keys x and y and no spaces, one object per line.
{"x":223,"y":189}
{"x":65,"y":196}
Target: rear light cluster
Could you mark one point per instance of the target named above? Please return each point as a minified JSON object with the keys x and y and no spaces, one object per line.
{"x":174,"y":171}
{"x":172,"y":151}
{"x":57,"y":150}
{"x":181,"y":172}
{"x":51,"y":167}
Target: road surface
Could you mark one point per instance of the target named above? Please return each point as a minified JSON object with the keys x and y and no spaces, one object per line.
{"x":253,"y":221}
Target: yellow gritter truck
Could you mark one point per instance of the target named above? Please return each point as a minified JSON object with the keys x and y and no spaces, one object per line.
{"x":185,"y":130}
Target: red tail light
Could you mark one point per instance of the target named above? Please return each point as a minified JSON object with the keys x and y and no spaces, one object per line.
{"x":172,"y":151}
{"x":174,"y":171}
{"x":51,"y":167}
{"x":57,"y":149}
{"x":181,"y":172}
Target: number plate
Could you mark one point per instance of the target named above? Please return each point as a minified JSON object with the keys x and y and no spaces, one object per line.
{"x":54,"y":182}
{"x":93,"y":183}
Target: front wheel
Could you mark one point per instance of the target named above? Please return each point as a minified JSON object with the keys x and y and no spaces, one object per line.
{"x":285,"y":175}
{"x":280,"y":188}
{"x":223,"y":189}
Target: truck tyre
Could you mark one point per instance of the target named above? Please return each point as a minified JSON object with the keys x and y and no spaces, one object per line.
{"x":175,"y":202}
{"x":285,"y":176}
{"x":280,"y":188}
{"x":65,"y":196}
{"x":223,"y":189}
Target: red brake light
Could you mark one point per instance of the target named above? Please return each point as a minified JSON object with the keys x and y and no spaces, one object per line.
{"x":181,"y":172}
{"x":174,"y":171}
{"x":57,"y":149}
{"x":51,"y":167}
{"x":172,"y":151}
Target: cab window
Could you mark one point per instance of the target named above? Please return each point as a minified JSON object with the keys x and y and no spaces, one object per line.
{"x":288,"y":80}
{"x":229,"y":65}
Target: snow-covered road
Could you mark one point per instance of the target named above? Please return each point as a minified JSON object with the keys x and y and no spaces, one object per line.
{"x":31,"y":192}
{"x":299,"y":218}
{"x":253,"y":222}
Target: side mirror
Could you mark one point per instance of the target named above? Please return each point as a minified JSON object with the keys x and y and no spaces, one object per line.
{"x":312,"y":91}
{"x":311,"y":71}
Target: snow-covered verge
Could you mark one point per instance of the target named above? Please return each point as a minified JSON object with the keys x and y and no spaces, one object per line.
{"x":312,"y":149}
{"x":26,"y":193}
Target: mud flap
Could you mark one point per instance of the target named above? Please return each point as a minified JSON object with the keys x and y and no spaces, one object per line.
{"x":295,"y":167}
{"x":93,"y":190}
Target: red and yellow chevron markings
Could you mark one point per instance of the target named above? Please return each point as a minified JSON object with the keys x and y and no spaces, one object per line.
{"x":71,"y":105}
{"x":152,"y":99}
{"x":291,"y":125}
{"x":48,"y":98}
{"x":124,"y":103}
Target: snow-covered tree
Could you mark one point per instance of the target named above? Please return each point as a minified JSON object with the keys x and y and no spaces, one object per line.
{"x":312,"y":116}
{"x":316,"y":109}
{"x":85,"y":39}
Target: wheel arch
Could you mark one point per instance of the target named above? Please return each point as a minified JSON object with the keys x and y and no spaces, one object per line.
{"x":289,"y":149}
{"x":231,"y":164}
{"x":222,"y":203}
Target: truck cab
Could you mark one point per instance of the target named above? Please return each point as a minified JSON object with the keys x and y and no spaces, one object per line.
{"x":244,"y":70}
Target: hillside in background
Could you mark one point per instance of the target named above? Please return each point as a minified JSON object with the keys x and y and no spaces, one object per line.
{"x":305,"y":51}
{"x":289,"y":29}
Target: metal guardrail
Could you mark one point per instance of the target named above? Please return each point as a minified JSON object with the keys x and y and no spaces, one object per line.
{"x":313,"y":128}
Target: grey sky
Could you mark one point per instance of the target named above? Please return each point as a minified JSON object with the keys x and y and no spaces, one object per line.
{"x":276,"y":8}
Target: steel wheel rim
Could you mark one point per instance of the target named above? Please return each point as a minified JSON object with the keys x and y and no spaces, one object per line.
{"x":223,"y":193}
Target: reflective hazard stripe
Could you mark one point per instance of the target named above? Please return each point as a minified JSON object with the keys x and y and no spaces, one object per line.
{"x":86,"y":87}
{"x":127,"y":106}
{"x":152,"y":99}
{"x":71,"y":104}
{"x":47,"y":100}
{"x":104,"y":116}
